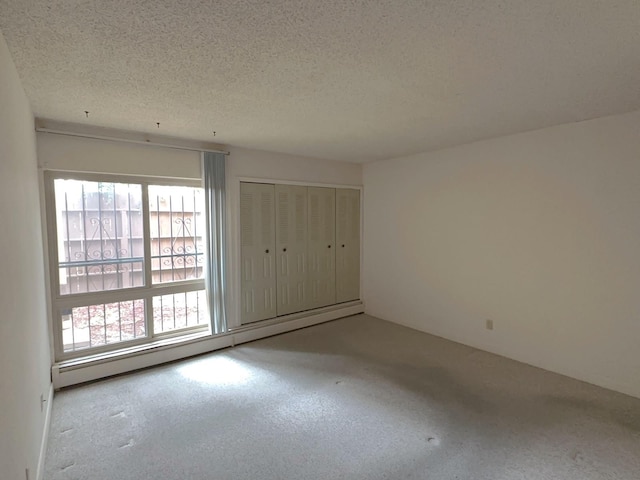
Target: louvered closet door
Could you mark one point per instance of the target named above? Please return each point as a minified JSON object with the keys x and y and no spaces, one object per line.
{"x":321,"y":247}
{"x":257,"y":240}
{"x":347,"y":244}
{"x":291,"y":248}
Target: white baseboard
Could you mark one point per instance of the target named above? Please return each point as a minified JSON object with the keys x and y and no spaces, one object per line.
{"x":45,"y":434}
{"x":507,"y":351}
{"x":73,"y":373}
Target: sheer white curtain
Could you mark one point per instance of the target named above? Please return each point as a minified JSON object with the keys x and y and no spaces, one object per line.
{"x":213,"y":167}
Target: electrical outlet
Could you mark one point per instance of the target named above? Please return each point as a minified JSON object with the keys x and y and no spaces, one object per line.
{"x":42,"y":402}
{"x":489,"y":324}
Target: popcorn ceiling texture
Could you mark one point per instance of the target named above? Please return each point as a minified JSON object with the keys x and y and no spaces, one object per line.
{"x":345,"y":80}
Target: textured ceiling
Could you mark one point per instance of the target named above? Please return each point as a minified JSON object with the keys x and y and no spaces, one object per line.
{"x":341,"y":79}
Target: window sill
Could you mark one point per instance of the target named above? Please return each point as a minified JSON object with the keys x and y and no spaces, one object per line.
{"x":133,"y":350}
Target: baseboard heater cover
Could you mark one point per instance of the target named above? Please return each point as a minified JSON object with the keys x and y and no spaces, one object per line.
{"x":66,"y":374}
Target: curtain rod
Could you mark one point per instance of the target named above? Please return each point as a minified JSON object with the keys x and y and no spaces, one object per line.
{"x":128,"y":140}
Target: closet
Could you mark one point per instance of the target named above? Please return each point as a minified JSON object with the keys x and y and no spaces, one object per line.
{"x":291,"y":247}
{"x":300,"y":248}
{"x":347,"y":244}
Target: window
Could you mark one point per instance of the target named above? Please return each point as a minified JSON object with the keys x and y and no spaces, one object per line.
{"x":99,"y":235}
{"x":128,"y":261}
{"x":176,"y":215}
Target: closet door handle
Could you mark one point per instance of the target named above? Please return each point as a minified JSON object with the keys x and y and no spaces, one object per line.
{"x":328,"y":246}
{"x":343,"y":245}
{"x":266,"y":251}
{"x":284,"y":249}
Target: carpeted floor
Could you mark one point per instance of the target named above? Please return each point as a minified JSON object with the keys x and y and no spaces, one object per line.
{"x":357,"y":398}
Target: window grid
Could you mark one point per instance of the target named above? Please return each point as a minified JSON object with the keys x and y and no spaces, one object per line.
{"x":178,"y":251}
{"x":107,"y":326}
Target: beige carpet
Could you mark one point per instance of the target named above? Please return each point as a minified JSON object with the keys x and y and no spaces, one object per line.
{"x":357,"y":398}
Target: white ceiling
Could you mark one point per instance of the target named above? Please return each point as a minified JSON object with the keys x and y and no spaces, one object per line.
{"x":339,"y":79}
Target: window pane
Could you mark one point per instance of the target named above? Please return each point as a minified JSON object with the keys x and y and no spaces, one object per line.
{"x":180,"y":310}
{"x":98,"y":325}
{"x":177,"y":224}
{"x":100,"y":235}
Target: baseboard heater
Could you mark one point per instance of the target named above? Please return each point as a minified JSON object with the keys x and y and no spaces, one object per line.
{"x":74,"y":372}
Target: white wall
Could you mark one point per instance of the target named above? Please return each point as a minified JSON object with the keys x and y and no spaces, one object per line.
{"x":24,"y":343}
{"x":538,"y":231}
{"x":56,"y":152}
{"x":276,"y":166}
{"x":78,"y":154}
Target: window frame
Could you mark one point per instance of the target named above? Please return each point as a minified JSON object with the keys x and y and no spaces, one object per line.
{"x":145,"y":293}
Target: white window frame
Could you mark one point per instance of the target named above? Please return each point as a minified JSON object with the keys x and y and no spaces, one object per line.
{"x":146,"y":293}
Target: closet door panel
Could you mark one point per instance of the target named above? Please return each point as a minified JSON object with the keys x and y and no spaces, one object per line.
{"x":321,"y":247}
{"x":291,"y":248}
{"x":257,"y":252}
{"x":347,"y":244}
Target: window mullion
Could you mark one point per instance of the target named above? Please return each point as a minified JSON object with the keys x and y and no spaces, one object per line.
{"x":146,"y":229}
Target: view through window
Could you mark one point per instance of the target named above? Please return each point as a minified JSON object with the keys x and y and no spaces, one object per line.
{"x":130,"y":258}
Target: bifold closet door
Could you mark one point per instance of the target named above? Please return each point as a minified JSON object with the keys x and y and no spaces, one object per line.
{"x":291,"y":248}
{"x":347,"y":244}
{"x":258,"y":243}
{"x":321,"y":247}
